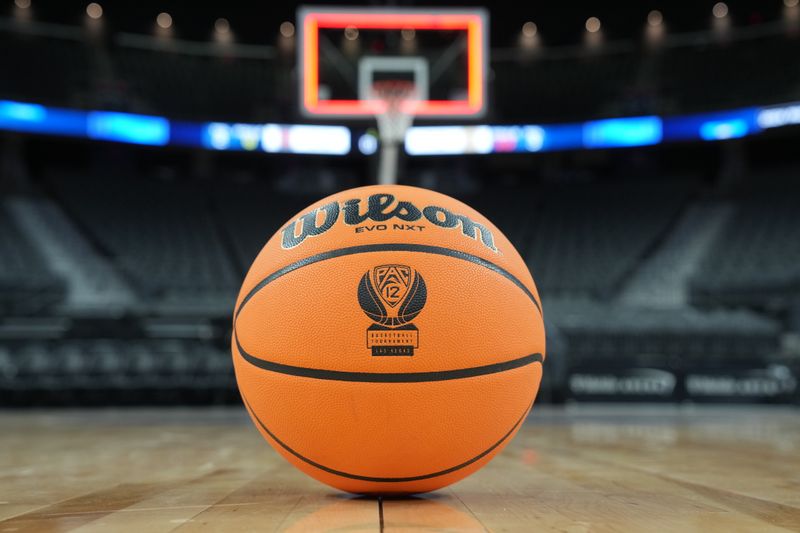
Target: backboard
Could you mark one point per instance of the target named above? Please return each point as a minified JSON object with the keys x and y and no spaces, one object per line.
{"x":344,"y":51}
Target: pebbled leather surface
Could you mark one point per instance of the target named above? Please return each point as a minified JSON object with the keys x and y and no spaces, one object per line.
{"x":311,"y":317}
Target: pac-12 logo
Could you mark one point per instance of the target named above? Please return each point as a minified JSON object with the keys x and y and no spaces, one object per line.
{"x":392,"y":296}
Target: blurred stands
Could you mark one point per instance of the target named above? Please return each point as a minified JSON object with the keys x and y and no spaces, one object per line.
{"x":27,"y":284}
{"x":662,"y":279}
{"x":93,"y":284}
{"x":631,"y":352}
{"x":251,"y":213}
{"x":174,"y":252}
{"x":599,"y":317}
{"x":756,"y":259}
{"x":578,"y":239}
{"x":161,"y":235}
{"x":113,"y":371}
{"x":118,"y":287}
{"x":679,"y":338}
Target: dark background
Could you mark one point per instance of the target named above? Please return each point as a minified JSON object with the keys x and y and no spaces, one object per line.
{"x":560,"y":24}
{"x":668,"y":273}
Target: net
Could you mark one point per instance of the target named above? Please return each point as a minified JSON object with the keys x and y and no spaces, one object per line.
{"x":396,"y":114}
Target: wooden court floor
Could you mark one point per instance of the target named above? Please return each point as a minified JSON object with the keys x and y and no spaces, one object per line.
{"x":636,"y":469}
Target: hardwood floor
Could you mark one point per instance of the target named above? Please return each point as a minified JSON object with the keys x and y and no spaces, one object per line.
{"x":588,"y":468}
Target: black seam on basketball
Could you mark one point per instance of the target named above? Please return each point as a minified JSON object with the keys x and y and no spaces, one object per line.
{"x":387,"y":377}
{"x":391,"y":247}
{"x":387,"y":479}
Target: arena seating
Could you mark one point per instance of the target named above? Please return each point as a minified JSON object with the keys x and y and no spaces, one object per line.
{"x":120,"y":264}
{"x":183,"y":246}
{"x":251,"y":213}
{"x":603,"y":332}
{"x":27,"y":285}
{"x":622,"y":353}
{"x":593,"y":317}
{"x":661,"y":280}
{"x":160,"y":234}
{"x":93,"y":285}
{"x":114,"y":372}
{"x":755,"y":259}
{"x":578,"y":239}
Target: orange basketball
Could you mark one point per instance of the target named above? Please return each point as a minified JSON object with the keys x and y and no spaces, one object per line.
{"x":388,"y":339}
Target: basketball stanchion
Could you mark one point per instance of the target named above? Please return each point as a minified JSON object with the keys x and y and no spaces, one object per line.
{"x":395,"y":115}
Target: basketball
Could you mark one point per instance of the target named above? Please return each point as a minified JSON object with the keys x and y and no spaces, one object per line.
{"x":320,"y":227}
{"x":388,"y":339}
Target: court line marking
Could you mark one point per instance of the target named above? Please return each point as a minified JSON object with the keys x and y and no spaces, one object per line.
{"x":380,"y":514}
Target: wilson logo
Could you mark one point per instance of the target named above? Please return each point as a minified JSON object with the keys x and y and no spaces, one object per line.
{"x":380,"y":208}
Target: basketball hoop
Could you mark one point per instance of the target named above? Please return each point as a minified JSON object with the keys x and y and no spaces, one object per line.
{"x":395,"y":113}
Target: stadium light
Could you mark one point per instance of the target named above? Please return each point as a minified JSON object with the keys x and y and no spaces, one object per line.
{"x":94,"y":11}
{"x":222,"y":31}
{"x":351,"y":44}
{"x":721,"y":22}
{"x":287,"y":29}
{"x":408,"y":40}
{"x":164,"y":20}
{"x":529,"y":37}
{"x":351,"y":33}
{"x":654,"y":32}
{"x":368,"y":143}
{"x":221,"y":25}
{"x":791,"y":12}
{"x":22,"y":11}
{"x":529,"y":29}
{"x":94,"y":18}
{"x":655,"y":18}
{"x":286,"y":39}
{"x":593,"y":36}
